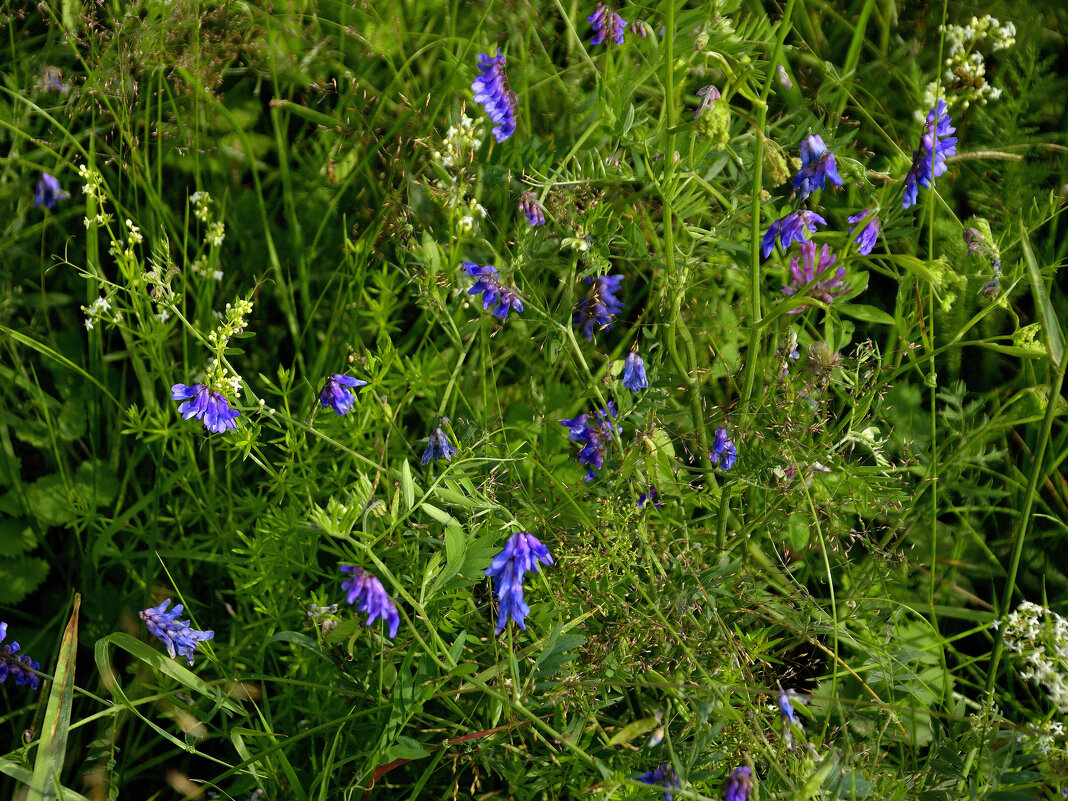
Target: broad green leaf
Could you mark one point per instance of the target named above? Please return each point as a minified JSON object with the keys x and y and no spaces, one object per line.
{"x":632,"y":730}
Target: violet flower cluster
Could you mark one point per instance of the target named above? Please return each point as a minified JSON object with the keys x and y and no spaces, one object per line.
{"x":48,"y":191}
{"x":337,"y":393}
{"x":593,"y":431}
{"x":816,"y":278}
{"x":868,"y":235}
{"x":739,"y":784}
{"x":17,"y":665}
{"x":370,"y":597}
{"x":492,"y":92}
{"x":205,"y":404}
{"x":723,"y":453}
{"x":664,"y":775}
{"x":634,"y":377}
{"x":438,"y":447}
{"x":177,"y":635}
{"x":488,"y":282}
{"x":790,"y":228}
{"x":529,"y":205}
{"x":521,"y":554}
{"x":599,"y":307}
{"x":606,"y":24}
{"x":817,"y":166}
{"x":929,"y":160}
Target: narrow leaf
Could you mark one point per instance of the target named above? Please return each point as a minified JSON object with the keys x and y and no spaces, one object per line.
{"x":52,"y":751}
{"x":1042,"y":302}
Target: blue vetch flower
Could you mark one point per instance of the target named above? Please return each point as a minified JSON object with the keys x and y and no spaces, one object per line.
{"x":606,"y":22}
{"x":723,"y":449}
{"x":600,"y":305}
{"x":488,"y":282}
{"x":180,"y":639}
{"x":788,"y":229}
{"x":868,"y":234}
{"x":337,"y":393}
{"x":529,"y":205}
{"x":370,"y":597}
{"x":210,"y":407}
{"x":739,"y":784}
{"x":48,"y":192}
{"x":17,"y":665}
{"x":634,"y":377}
{"x":438,"y":447}
{"x":593,"y":437}
{"x":815,"y":278}
{"x":929,"y":161}
{"x":664,"y":776}
{"x":491,"y":90}
{"x":817,"y":165}
{"x":521,"y":553}
{"x":650,"y":496}
{"x":786,"y":708}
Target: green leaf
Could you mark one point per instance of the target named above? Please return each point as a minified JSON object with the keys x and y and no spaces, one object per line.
{"x":20,"y":577}
{"x":405,"y":748}
{"x":407,"y":485}
{"x":869,"y":314}
{"x":1054,"y":337}
{"x":633,"y":730}
{"x":52,"y":749}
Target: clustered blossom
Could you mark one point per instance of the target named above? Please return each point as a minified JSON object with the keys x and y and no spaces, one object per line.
{"x":337,"y":393}
{"x":48,"y":192}
{"x":370,"y":597}
{"x":868,"y":235}
{"x":815,"y":278}
{"x":176,"y":635}
{"x":1039,"y":636}
{"x":438,"y":447}
{"x":650,"y":496}
{"x":817,"y":166}
{"x":739,"y":784}
{"x":606,"y":23}
{"x":19,"y":666}
{"x":521,"y":553}
{"x":664,"y":775}
{"x":634,"y":377}
{"x":723,"y":451}
{"x":709,"y":95}
{"x":929,"y":161}
{"x":210,"y":407}
{"x":593,"y":432}
{"x":789,"y":229}
{"x":598,"y":308}
{"x":494,"y":293}
{"x":529,"y":205}
{"x":491,"y":90}
{"x":964,"y":73}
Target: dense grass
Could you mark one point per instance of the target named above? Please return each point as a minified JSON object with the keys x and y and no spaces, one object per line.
{"x":274,"y":197}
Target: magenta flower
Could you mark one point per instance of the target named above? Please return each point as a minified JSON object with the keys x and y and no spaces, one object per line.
{"x":817,"y":279}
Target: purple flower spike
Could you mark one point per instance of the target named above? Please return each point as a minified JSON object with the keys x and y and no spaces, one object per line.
{"x":817,"y":166}
{"x":522,"y":552}
{"x":337,"y":393}
{"x":180,"y":639}
{"x":786,"y":708}
{"x":210,"y":407}
{"x":606,"y":23}
{"x":48,"y":192}
{"x":816,"y":279}
{"x":370,"y":597}
{"x":868,"y":234}
{"x":438,"y":447}
{"x":739,"y":784}
{"x":18,"y":666}
{"x":723,"y":451}
{"x":664,"y":775}
{"x":491,"y":90}
{"x":634,"y":377}
{"x":594,"y":436}
{"x":789,"y":229}
{"x":494,"y":293}
{"x":598,"y":308}
{"x":929,"y":161}
{"x":529,"y":205}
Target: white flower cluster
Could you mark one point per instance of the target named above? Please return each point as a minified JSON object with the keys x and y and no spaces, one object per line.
{"x":216,"y":230}
{"x":94,"y":187}
{"x":1045,"y":735}
{"x":95,"y":310}
{"x":133,"y":238}
{"x":460,"y":140}
{"x":964,"y":78}
{"x":1040,"y":637}
{"x":233,"y":322}
{"x":200,"y":267}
